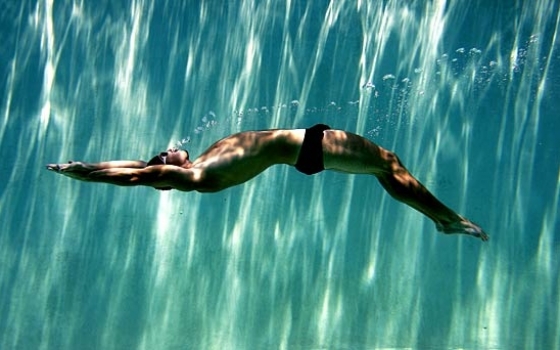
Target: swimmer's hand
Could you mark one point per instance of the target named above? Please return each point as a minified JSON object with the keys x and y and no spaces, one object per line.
{"x":75,"y":170}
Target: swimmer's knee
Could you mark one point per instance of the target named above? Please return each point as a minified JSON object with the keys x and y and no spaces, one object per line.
{"x":392,"y":162}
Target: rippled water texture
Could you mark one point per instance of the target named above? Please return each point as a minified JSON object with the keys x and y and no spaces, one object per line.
{"x":466,"y":92}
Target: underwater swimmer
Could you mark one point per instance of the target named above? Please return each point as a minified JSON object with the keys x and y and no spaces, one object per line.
{"x":240,"y":157}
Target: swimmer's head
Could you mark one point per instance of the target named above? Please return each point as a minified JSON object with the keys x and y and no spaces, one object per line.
{"x":173,"y":156}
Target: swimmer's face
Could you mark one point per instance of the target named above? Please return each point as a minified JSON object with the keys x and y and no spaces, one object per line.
{"x":172,"y":156}
{"x":175,"y":156}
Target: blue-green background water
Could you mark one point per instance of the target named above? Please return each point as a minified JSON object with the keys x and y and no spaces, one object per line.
{"x":466,"y":92}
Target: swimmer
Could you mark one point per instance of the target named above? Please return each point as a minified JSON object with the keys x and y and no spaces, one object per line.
{"x":240,"y":157}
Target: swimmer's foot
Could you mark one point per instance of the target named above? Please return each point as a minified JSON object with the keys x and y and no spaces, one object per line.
{"x":463,"y":226}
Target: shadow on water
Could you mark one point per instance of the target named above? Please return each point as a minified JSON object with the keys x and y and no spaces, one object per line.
{"x":464,"y":93}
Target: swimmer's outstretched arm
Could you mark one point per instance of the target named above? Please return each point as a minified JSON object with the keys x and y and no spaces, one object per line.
{"x":80,"y":170}
{"x":131,"y":173}
{"x":163,"y":177}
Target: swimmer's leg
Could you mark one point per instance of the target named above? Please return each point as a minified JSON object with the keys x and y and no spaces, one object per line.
{"x":350,"y":153}
{"x":401,"y":185}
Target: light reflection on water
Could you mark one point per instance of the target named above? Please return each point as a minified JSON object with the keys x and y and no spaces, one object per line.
{"x":463,"y":93}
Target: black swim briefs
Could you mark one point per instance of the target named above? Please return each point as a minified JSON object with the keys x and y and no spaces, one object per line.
{"x":310,"y":159}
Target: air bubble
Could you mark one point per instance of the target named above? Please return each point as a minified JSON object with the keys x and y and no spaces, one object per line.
{"x":388,"y":76}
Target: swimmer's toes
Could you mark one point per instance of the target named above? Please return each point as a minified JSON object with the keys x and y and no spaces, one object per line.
{"x":484,"y":236}
{"x":475,"y":230}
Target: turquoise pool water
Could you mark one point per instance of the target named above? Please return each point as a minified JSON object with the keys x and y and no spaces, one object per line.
{"x":465,"y":92}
